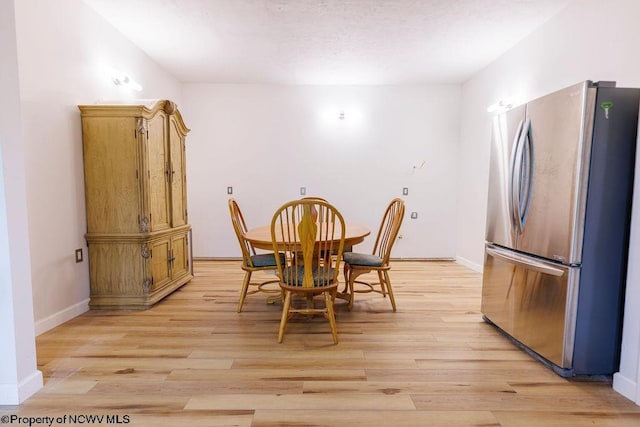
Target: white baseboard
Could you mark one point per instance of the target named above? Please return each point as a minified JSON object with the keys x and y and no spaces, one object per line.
{"x":470,"y":264}
{"x":43,"y":325}
{"x":625,"y":387}
{"x":15,"y":394}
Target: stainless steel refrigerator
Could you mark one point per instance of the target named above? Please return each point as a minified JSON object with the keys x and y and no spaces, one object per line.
{"x":560,"y":189}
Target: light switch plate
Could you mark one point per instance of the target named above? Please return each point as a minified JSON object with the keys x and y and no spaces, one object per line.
{"x":414,"y":215}
{"x":229,"y":190}
{"x":303,"y":191}
{"x":79,"y":256}
{"x":405,"y":191}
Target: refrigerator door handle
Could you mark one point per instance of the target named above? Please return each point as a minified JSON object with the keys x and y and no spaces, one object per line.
{"x":527,"y":162}
{"x":513,"y":185}
{"x":521,"y":176}
{"x":527,"y":263}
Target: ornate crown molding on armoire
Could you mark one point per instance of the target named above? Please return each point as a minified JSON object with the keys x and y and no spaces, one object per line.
{"x":135,"y":188}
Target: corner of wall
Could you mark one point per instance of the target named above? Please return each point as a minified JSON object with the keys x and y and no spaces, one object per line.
{"x":625,"y":387}
{"x":15,"y":394}
{"x":468,"y":263}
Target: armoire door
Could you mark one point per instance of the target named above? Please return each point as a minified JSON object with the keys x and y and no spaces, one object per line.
{"x":177,"y":177}
{"x":160,"y":266}
{"x":158,"y":173}
{"x":179,"y":256}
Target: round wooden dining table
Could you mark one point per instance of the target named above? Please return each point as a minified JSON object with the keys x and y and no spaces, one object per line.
{"x":260,"y":237}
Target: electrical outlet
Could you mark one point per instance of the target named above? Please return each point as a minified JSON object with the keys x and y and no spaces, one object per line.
{"x":79,"y":257}
{"x":405,"y":191}
{"x":229,"y":190}
{"x":303,"y":191}
{"x":414,"y":215}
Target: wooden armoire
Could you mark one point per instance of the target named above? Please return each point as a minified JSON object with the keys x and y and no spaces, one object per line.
{"x":138,"y":234}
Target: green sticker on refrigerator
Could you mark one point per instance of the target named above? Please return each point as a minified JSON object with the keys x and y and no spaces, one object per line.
{"x":606,"y":106}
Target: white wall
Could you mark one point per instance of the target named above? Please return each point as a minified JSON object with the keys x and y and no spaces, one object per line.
{"x":19,"y":377}
{"x":268,"y":141}
{"x":64,"y":50}
{"x":590,"y":39}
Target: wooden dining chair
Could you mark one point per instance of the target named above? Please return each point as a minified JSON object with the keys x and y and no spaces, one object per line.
{"x":356,"y":264}
{"x":308,"y":272}
{"x":251,"y":261}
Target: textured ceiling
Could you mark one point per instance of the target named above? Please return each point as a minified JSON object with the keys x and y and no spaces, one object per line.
{"x":325,"y":41}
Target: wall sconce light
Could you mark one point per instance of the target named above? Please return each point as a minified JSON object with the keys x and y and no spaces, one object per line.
{"x":120,"y":79}
{"x":345,"y":118}
{"x":499,"y":107}
{"x":505,"y":104}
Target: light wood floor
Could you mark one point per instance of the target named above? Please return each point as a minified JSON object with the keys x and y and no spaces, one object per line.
{"x":193,"y":361}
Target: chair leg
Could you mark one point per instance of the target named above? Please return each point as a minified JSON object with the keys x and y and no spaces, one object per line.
{"x":285,"y":315}
{"x":245,"y":288}
{"x":352,"y":294}
{"x":346,"y":270}
{"x":390,"y":290}
{"x":328,"y":298}
{"x":383,"y":287}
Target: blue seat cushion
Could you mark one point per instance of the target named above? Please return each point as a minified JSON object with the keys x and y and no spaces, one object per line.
{"x":266,"y":260}
{"x":321,"y":276}
{"x":365,"y":260}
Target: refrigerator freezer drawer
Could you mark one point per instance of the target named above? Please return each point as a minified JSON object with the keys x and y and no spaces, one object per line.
{"x":533,"y":301}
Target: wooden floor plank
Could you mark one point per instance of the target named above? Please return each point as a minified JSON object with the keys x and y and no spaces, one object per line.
{"x":566,"y":419}
{"x":381,"y":417}
{"x":340,"y":402}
